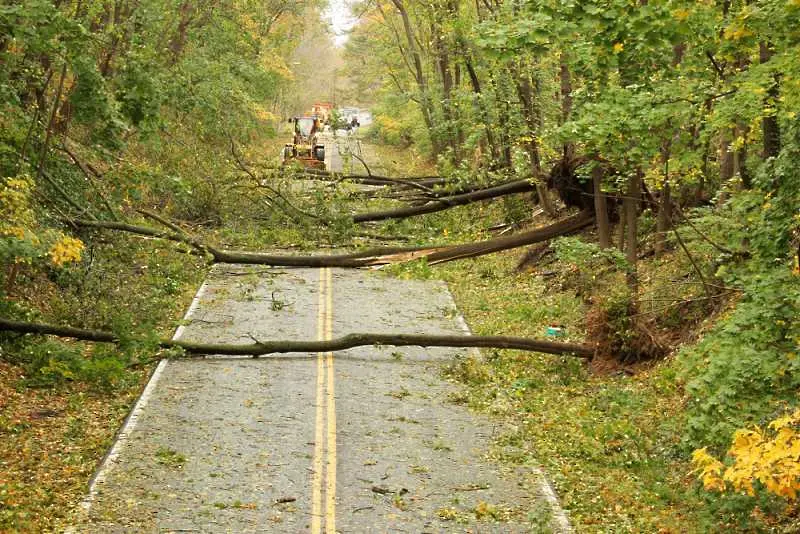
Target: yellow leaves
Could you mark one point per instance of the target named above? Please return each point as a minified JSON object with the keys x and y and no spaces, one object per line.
{"x":736,"y":32}
{"x":681,"y":14}
{"x":14,"y":231}
{"x":65,"y":250}
{"x":262,"y":113}
{"x":15,"y":202}
{"x":709,"y":468}
{"x":786,"y":421}
{"x":773,"y":461}
{"x":618,"y":47}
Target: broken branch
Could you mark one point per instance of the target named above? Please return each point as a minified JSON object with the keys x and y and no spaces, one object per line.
{"x":263,"y":348}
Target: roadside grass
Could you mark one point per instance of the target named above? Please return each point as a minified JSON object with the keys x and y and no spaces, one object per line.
{"x":400,"y":163}
{"x":61,"y":402}
{"x":610,"y":444}
{"x":610,"y":437}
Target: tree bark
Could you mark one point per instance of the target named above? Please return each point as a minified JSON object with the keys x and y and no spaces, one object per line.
{"x":769,"y":124}
{"x":601,"y":208}
{"x":565,"y":78}
{"x":631,"y":212}
{"x":740,"y":156}
{"x":532,"y":117}
{"x":419,"y":74}
{"x":262,"y":348}
{"x":725,"y":157}
{"x":663,"y":219}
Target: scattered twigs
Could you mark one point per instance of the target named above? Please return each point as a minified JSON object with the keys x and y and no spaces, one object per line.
{"x":263,"y":184}
{"x":702,"y":235}
{"x":60,"y":190}
{"x":91,"y":177}
{"x":263,"y":348}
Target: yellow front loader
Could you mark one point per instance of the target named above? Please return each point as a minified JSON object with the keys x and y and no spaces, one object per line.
{"x":304,"y":148}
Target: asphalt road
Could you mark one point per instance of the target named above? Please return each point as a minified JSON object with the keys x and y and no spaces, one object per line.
{"x":366,"y":440}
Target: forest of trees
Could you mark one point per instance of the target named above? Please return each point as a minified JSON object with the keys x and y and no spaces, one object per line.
{"x":670,"y":127}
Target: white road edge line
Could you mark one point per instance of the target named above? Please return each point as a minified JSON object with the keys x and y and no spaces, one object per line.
{"x":560,"y":519}
{"x":110,"y":460}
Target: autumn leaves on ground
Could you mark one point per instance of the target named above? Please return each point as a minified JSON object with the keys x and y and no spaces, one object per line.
{"x":668,"y":129}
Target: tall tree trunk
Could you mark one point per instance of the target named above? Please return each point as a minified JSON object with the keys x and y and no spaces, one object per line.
{"x":740,"y":155}
{"x":419,"y":74}
{"x":630,"y":206}
{"x":178,"y":40}
{"x":529,"y":102}
{"x":769,"y":124}
{"x":663,"y":219}
{"x":446,"y":78}
{"x":726,"y":170}
{"x":565,"y":77}
{"x":51,"y":122}
{"x":477,"y":90}
{"x":601,"y":208}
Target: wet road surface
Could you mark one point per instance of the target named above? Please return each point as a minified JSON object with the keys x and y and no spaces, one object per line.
{"x":366,"y":440}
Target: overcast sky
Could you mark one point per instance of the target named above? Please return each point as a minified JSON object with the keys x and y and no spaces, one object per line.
{"x":341,"y":21}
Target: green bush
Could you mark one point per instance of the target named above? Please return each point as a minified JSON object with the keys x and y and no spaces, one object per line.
{"x":52,"y":363}
{"x":748,"y":366}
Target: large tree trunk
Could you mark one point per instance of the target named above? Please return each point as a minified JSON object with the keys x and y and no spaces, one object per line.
{"x":262,"y":348}
{"x":565,"y":78}
{"x":531,"y":115}
{"x":740,"y":156}
{"x":726,"y":171}
{"x":630,"y":207}
{"x":601,"y":208}
{"x":419,"y":74}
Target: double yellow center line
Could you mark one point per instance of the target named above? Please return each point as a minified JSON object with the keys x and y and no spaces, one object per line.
{"x":325,"y":438}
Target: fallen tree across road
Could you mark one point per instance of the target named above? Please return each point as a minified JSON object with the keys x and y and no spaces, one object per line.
{"x":368,"y":258}
{"x":263,"y":348}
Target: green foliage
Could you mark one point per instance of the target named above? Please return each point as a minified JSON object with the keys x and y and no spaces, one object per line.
{"x":589,"y":256}
{"x":750,"y":360}
{"x":52,"y":363}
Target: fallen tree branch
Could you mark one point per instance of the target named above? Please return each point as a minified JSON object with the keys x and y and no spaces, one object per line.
{"x":367,"y":258}
{"x":262,"y":183}
{"x":443,"y":203}
{"x":358,"y":259}
{"x":262,"y":348}
{"x":537,"y":235}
